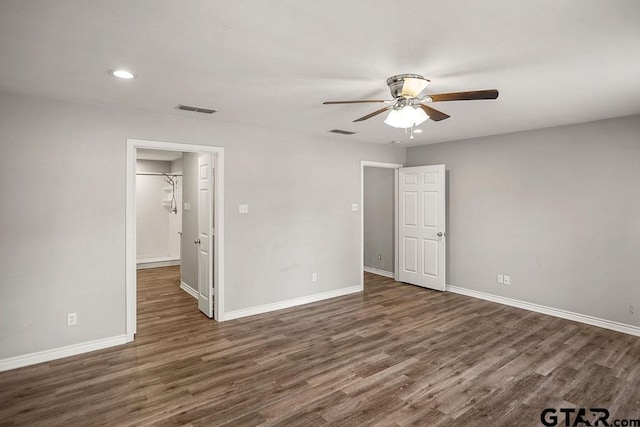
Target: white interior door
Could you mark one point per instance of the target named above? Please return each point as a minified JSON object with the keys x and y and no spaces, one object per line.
{"x":421,"y":227}
{"x":205,"y":234}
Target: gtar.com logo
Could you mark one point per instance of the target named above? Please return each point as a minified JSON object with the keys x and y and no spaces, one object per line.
{"x":572,"y":417}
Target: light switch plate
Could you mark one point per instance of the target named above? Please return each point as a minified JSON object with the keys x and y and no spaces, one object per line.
{"x":500,"y":279}
{"x":354,"y":207}
{"x":507,"y":280}
{"x":187,"y":206}
{"x":243,"y":209}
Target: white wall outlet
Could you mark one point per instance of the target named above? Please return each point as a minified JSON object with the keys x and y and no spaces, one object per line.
{"x":631,"y":309}
{"x":187,"y":206}
{"x":354,"y":207}
{"x":72,"y":319}
{"x":507,"y":280}
{"x":500,"y":279}
{"x":314,"y":277}
{"x":243,"y":209}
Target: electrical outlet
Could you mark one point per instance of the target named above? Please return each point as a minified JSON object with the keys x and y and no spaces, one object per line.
{"x":630,"y":309}
{"x":243,"y":208}
{"x":500,"y":279}
{"x":379,"y":257}
{"x":72,"y":319}
{"x":354,"y":207}
{"x":314,"y":277}
{"x":507,"y":280}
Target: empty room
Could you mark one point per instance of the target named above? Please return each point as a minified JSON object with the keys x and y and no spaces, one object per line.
{"x":358,"y":213}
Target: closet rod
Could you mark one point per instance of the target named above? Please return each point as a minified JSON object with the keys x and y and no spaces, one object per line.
{"x":158,"y":174}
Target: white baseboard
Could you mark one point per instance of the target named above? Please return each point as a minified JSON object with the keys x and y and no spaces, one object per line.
{"x":60,"y":352}
{"x":188,"y":289}
{"x":379,"y":272}
{"x":156,"y":262}
{"x":236,"y":314}
{"x":569,"y":315}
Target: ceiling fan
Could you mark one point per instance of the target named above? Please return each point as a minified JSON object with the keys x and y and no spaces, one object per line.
{"x":409,"y":109}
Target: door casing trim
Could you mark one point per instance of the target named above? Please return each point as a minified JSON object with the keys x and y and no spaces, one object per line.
{"x":130,"y":225}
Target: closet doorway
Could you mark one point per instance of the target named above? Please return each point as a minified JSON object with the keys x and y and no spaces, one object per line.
{"x":378,"y":225}
{"x":159,"y":209}
{"x":175,"y":218}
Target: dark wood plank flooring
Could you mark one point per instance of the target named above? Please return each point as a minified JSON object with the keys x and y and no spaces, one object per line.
{"x":394,"y":355}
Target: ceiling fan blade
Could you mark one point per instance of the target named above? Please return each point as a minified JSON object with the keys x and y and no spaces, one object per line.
{"x":412,"y":87}
{"x":375,"y":113}
{"x":354,"y":102}
{"x":465,"y":96}
{"x":434,"y":114}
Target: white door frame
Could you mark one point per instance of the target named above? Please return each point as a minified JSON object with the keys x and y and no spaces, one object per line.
{"x":370,"y":164}
{"x":130,"y":225}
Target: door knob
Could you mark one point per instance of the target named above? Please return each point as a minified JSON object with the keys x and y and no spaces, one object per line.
{"x":439,"y":233}
{"x":197,"y":241}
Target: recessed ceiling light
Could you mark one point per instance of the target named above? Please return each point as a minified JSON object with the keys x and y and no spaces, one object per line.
{"x":122,"y":74}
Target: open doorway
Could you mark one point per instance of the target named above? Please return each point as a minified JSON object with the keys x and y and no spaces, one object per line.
{"x":420,"y":212}
{"x":188,"y":229}
{"x":378,"y":220}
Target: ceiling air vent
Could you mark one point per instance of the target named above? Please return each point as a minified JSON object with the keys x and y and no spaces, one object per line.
{"x":196,"y":109}
{"x":342,"y":132}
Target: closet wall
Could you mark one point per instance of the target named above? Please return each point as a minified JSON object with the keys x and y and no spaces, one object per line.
{"x":157,"y":225}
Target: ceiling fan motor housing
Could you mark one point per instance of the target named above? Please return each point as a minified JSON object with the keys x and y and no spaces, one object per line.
{"x":396,"y":83}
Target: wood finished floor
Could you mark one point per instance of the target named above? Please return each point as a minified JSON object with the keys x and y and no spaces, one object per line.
{"x":394,"y":355}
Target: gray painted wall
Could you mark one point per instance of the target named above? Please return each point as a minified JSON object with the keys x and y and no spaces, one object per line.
{"x":557,"y":209}
{"x":62,"y":169}
{"x":176,"y":165}
{"x":379,"y":226}
{"x":189,"y":250}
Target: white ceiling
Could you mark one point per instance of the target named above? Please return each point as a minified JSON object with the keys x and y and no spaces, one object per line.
{"x":272,"y":63}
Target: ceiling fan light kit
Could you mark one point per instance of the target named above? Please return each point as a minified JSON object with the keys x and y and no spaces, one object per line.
{"x":406,"y":117}
{"x":409,"y":109}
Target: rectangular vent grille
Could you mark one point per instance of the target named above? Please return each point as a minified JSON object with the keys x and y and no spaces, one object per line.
{"x":342,"y":132}
{"x":196,"y":109}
